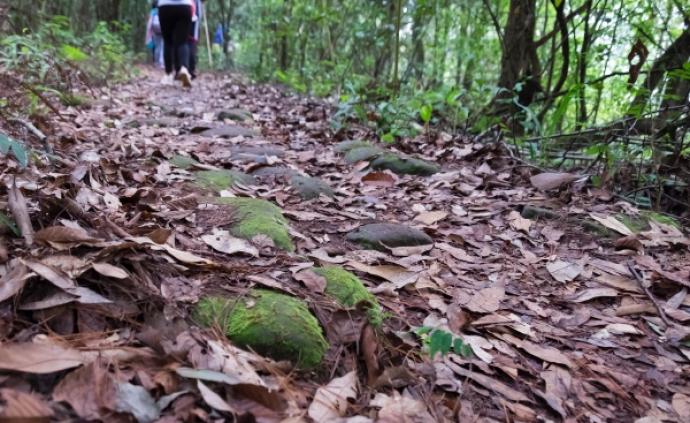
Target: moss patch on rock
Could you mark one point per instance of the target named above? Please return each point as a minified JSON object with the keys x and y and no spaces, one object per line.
{"x":345,"y":146}
{"x":404,"y":165}
{"x":219,"y":180}
{"x":183,"y":162}
{"x":309,"y":188}
{"x":272,"y":324}
{"x":362,"y":154}
{"x":258,"y":217}
{"x":349,"y":291}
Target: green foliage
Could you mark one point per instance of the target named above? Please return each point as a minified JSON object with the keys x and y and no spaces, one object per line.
{"x":9,"y":223}
{"x":439,"y":341}
{"x":16,"y":148}
{"x":349,"y":291}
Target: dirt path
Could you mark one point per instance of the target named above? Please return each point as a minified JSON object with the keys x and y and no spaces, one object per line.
{"x":560,"y":328}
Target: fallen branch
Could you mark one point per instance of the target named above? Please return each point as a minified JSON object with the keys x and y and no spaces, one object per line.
{"x":645,"y":286}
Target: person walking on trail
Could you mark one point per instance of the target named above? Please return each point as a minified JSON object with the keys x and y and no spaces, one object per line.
{"x":176,"y":25}
{"x":154,"y":35}
{"x":194,"y":38}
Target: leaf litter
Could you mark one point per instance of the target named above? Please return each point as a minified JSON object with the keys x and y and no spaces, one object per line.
{"x":98,"y":290}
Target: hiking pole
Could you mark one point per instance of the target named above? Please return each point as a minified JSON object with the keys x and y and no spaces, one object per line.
{"x":208,"y":38}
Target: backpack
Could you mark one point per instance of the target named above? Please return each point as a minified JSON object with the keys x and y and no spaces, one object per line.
{"x":156,"y":24}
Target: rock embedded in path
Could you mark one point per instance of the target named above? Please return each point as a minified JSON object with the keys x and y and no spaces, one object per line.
{"x":238,"y":115}
{"x":360,"y":154}
{"x":381,"y":236}
{"x":309,"y":188}
{"x":161,"y":122}
{"x":274,"y":325}
{"x":404,"y":165}
{"x":252,"y":217}
{"x":220,"y":180}
{"x":230,"y":131}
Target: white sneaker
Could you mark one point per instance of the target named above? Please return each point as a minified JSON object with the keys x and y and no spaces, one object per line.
{"x":184,"y":76}
{"x":168,"y":79}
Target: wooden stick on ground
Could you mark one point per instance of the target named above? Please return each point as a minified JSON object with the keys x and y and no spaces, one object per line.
{"x":208,"y":38}
{"x":645,"y":286}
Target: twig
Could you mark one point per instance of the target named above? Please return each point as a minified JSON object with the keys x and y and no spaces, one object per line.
{"x":645,"y":285}
{"x":41,"y":136}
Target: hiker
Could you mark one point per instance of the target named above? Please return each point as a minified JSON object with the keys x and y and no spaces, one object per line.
{"x":154,"y":36}
{"x":194,"y":38}
{"x":176,"y":25}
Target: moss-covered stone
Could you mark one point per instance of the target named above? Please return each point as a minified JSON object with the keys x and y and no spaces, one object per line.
{"x":183,"y":162}
{"x":380,"y":236}
{"x":273,"y":171}
{"x":640,"y":223}
{"x":272,"y":324}
{"x":349,"y":291}
{"x":404,"y":165}
{"x":219,"y":180}
{"x":309,"y":188}
{"x":360,"y":154}
{"x":346,"y":146}
{"x":239,"y":115}
{"x":258,"y":217}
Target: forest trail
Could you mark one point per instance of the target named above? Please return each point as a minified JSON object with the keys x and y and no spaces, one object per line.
{"x":542,"y":285}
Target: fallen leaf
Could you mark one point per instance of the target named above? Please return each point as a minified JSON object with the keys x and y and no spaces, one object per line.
{"x":38,"y":358}
{"x":137,"y":401}
{"x":400,"y":408}
{"x":63,"y":235}
{"x":486,"y":300}
{"x":410,"y":251}
{"x":612,"y":223}
{"x":313,"y":281}
{"x":592,"y":293}
{"x":14,"y":280}
{"x":398,"y":275}
{"x":563,"y":271}
{"x":212,"y":399}
{"x":518,"y":222}
{"x":489,"y":383}
{"x":330,"y":401}
{"x":430,"y":218}
{"x":17,"y":204}
{"x":546,"y":353}
{"x":23,"y":407}
{"x":110,"y":271}
{"x":51,"y":274}
{"x":223,"y":242}
{"x":548,"y":181}
{"x":630,"y":242}
{"x":379,"y":179}
{"x":681,"y":405}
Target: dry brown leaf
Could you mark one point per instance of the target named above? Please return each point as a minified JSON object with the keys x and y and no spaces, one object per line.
{"x":212,"y":399}
{"x":398,"y":275}
{"x":592,"y":293}
{"x":630,"y":242}
{"x":4,"y":256}
{"x":23,"y":407}
{"x":223,"y":242}
{"x":17,"y":204}
{"x":110,"y":271}
{"x":400,"y":408}
{"x":14,"y":280}
{"x":612,"y":223}
{"x":681,"y":405}
{"x":330,"y":401}
{"x":563,"y":271}
{"x":63,"y":235}
{"x":487,"y":300}
{"x":410,"y":251}
{"x":313,"y":281}
{"x":430,"y":218}
{"x":379,"y":179}
{"x":488,"y":383}
{"x":546,"y":353}
{"x":548,"y":181}
{"x":51,"y":274}
{"x":89,"y":390}
{"x":518,"y":222}
{"x":38,"y":358}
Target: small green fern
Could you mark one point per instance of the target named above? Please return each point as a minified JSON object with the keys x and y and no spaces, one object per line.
{"x":441,"y":341}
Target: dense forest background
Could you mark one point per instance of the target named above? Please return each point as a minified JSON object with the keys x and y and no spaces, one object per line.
{"x":599,"y":85}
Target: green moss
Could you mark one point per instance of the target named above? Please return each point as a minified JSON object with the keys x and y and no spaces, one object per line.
{"x":183,"y":162}
{"x":74,"y":100}
{"x":219,"y":180}
{"x":641,"y":223}
{"x":404,"y":165}
{"x":272,"y":324}
{"x":661,"y":218}
{"x":259,"y":217}
{"x":346,"y":146}
{"x":359,"y":154}
{"x":349,"y":291}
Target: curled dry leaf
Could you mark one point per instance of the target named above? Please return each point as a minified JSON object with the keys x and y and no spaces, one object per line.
{"x":23,"y":407}
{"x":63,"y":235}
{"x":518,"y":222}
{"x":563,"y":271}
{"x":612,"y":223}
{"x":548,"y":181}
{"x":430,"y":218}
{"x":223,"y":242}
{"x":379,"y":179}
{"x":311,"y":280}
{"x":486,"y":300}
{"x":110,"y":271}
{"x":14,"y":280}
{"x":17,"y":204}
{"x":401,"y":408}
{"x":212,"y":399}
{"x":330,"y":402}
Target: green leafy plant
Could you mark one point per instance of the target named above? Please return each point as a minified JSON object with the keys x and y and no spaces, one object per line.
{"x":16,"y":148}
{"x":442,"y":342}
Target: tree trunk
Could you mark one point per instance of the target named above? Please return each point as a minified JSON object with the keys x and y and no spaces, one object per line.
{"x":674,"y":57}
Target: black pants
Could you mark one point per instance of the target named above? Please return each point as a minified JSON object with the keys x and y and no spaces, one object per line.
{"x":176,"y":22}
{"x":193,"y":58}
